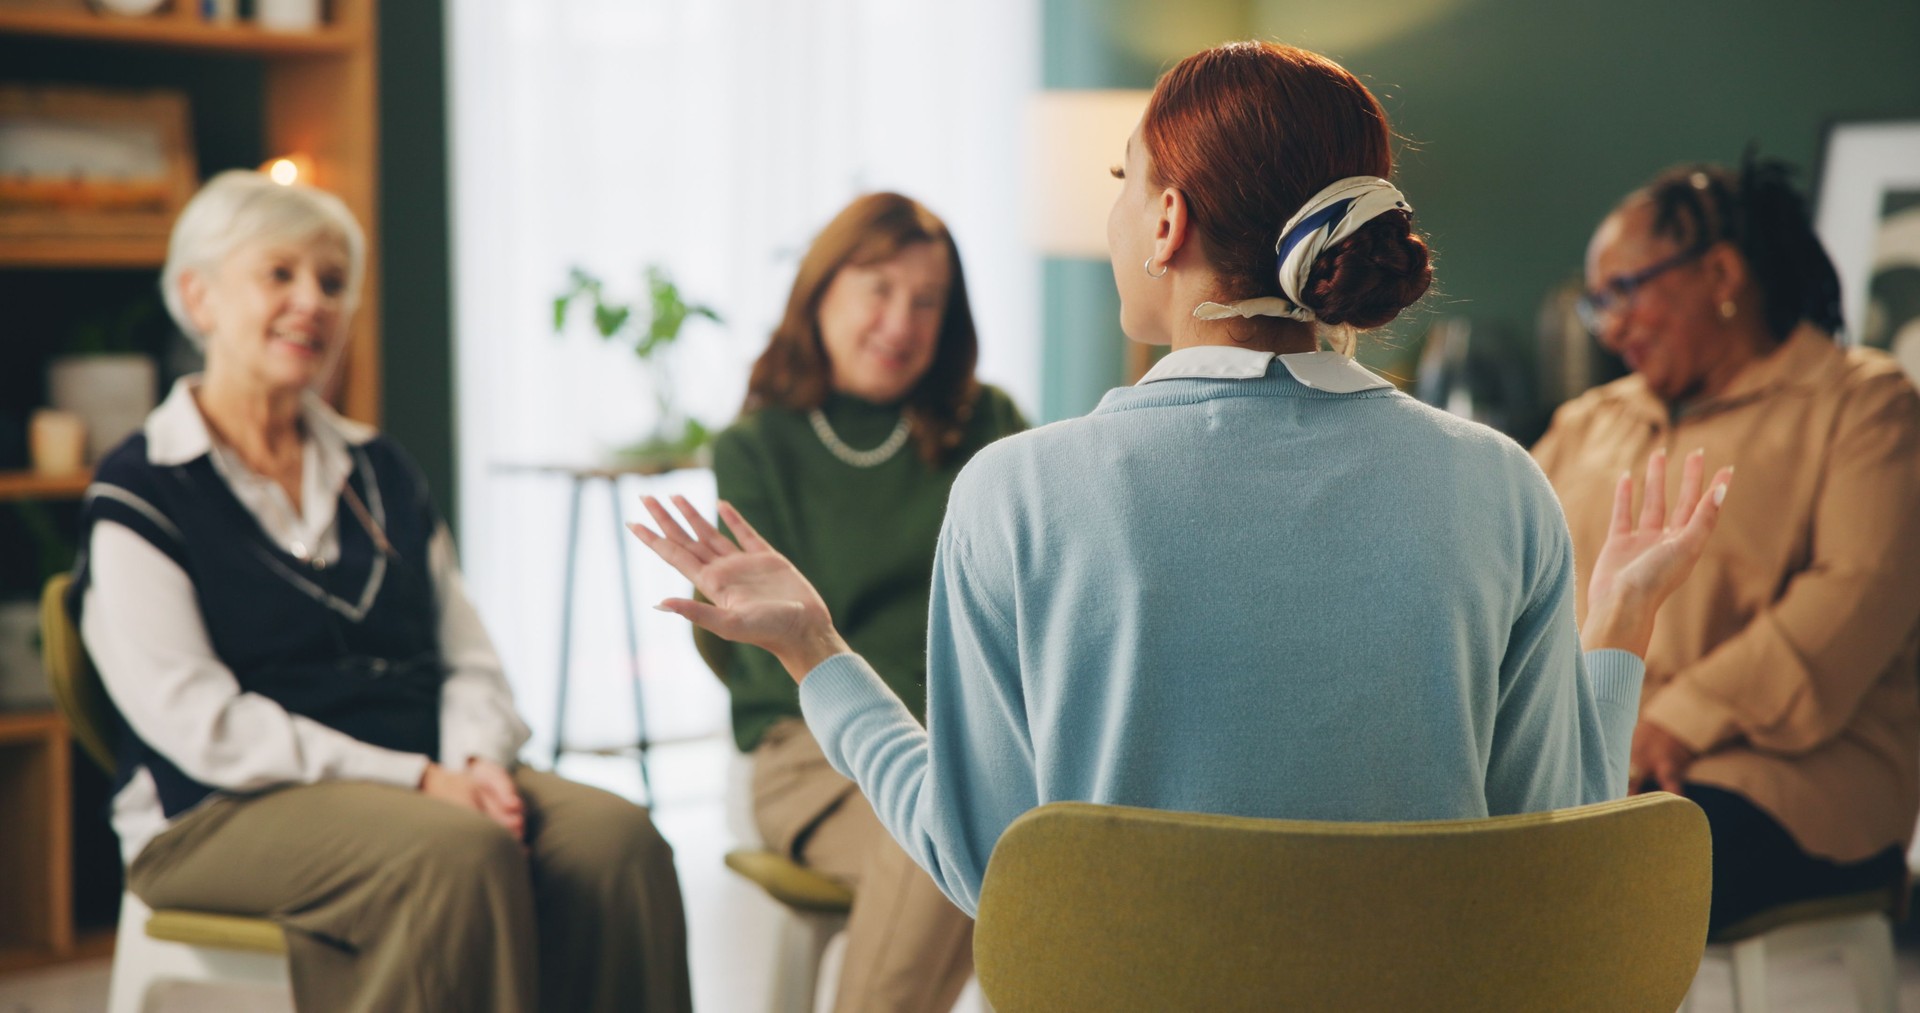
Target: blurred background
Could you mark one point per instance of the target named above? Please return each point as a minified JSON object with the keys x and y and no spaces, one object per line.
{"x":493,"y":147}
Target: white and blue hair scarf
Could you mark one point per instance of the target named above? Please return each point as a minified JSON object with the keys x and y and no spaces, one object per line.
{"x":1333,"y":214}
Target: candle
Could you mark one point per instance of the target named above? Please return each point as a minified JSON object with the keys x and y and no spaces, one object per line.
{"x":57,"y":441}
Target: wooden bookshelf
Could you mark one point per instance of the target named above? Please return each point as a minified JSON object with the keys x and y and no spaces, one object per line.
{"x":36,"y":870}
{"x":320,"y":99}
{"x":182,"y":30}
{"x":18,"y":485}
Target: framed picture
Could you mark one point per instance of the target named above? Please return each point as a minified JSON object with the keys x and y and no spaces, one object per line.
{"x":1869,"y":219}
{"x":84,"y":162}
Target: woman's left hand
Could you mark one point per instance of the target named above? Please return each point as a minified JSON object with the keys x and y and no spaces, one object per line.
{"x":499,"y":798}
{"x":758,"y":597}
{"x":1644,"y":562}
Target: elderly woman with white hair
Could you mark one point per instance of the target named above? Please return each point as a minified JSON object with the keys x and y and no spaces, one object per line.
{"x":316,"y":727}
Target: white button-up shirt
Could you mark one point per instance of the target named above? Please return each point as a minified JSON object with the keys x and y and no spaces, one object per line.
{"x":142,"y":626}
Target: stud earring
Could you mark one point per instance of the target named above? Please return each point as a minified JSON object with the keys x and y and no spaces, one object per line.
{"x":1728,"y":309}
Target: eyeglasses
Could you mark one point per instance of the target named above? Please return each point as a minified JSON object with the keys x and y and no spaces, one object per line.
{"x":1598,"y":309}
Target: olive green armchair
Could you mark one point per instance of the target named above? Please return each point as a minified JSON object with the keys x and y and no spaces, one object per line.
{"x":1102,"y":908}
{"x":151,"y":946}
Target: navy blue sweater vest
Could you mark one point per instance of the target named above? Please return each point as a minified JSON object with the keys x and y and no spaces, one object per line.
{"x":353,"y":645}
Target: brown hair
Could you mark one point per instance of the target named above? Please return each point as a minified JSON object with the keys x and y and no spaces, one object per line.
{"x":794,"y":373}
{"x":1248,"y":132}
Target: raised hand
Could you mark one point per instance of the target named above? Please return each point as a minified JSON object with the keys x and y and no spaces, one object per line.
{"x":1645,"y":561}
{"x":757,"y":596}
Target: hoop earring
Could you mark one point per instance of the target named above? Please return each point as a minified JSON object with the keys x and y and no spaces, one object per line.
{"x":1147,"y":266}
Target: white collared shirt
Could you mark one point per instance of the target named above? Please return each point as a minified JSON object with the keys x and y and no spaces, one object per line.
{"x":1323,"y":370}
{"x":142,"y":626}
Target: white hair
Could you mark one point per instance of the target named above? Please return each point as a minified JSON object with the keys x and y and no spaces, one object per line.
{"x":241,"y":207}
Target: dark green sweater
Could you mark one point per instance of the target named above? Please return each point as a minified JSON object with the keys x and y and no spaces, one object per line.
{"x":863,"y":536}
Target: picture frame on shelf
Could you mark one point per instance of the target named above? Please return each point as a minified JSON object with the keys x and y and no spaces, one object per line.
{"x":93,"y":163}
{"x":1869,"y":221}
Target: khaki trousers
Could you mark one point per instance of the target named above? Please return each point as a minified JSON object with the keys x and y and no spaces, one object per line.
{"x":908,"y":948}
{"x":393,"y":901}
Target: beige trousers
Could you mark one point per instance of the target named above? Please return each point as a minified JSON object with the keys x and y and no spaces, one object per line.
{"x":393,"y":901}
{"x":908,"y":948}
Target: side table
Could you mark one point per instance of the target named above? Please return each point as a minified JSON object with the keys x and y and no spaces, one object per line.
{"x":578,"y":477}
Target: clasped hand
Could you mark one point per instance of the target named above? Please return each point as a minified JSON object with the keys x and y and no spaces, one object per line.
{"x":484,"y":787}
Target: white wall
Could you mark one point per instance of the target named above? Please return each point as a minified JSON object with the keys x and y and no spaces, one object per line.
{"x":714,"y":137}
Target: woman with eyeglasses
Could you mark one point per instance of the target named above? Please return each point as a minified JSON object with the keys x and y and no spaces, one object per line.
{"x":1781,"y":681}
{"x":1260,"y":582}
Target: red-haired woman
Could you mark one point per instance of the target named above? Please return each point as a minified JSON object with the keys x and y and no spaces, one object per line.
{"x":858,"y":416}
{"x":1260,"y":582}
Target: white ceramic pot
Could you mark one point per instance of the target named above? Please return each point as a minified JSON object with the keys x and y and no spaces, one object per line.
{"x":113,"y":393}
{"x":287,"y":15}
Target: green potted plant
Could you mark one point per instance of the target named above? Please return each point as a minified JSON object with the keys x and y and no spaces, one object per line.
{"x":651,"y":330}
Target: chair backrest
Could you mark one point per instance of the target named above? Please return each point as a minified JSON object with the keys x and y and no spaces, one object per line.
{"x":77,"y":688}
{"x":1091,"y":907}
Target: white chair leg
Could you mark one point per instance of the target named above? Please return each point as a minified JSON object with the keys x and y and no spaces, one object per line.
{"x":132,"y":976}
{"x":796,"y":969}
{"x":1750,"y":975}
{"x":1868,"y":951}
{"x":1686,"y":1001}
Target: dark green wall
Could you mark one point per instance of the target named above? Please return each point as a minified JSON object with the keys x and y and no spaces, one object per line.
{"x":1525,"y":121}
{"x":1105,"y":44}
{"x":416,"y":324}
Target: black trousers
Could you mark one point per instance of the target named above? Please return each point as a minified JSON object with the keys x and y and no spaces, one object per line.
{"x":1757,"y":865}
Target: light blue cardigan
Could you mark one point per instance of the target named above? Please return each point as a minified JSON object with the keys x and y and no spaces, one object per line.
{"x":1239,"y":595}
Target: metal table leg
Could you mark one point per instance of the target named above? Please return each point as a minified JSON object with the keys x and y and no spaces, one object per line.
{"x":633,"y":634}
{"x":566,"y":620}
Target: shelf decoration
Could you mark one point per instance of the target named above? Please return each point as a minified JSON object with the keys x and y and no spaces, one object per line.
{"x":92,"y":162}
{"x":289,"y":169}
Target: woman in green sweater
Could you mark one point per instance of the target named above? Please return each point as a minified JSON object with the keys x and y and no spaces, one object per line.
{"x":858,"y":416}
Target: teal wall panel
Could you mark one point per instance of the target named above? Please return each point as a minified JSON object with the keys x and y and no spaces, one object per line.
{"x":1521,"y":122}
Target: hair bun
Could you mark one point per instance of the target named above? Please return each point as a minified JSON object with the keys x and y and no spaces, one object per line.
{"x":1366,"y":279}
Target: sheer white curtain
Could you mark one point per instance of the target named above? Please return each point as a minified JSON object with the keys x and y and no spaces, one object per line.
{"x":714,"y":137}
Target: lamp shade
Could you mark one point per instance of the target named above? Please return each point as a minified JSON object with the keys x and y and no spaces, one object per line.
{"x":1073,"y":139}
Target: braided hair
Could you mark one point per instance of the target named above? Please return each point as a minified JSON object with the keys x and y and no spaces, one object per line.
{"x":1758,"y":210}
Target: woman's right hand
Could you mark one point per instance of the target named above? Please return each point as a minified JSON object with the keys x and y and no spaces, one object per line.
{"x":757,"y":595}
{"x":1644,"y":562}
{"x":467,"y":792}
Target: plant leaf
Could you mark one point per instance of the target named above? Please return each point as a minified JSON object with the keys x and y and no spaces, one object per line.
{"x":609,"y":319}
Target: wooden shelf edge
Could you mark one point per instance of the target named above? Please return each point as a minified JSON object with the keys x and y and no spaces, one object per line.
{"x":88,"y":944}
{"x":166,"y":32}
{"x":75,"y":252}
{"x":19,"y":485}
{"x":30,"y":724}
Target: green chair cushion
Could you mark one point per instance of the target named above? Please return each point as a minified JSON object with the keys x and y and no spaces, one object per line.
{"x":227,"y":932}
{"x":76,"y":686}
{"x":1817,"y":909}
{"x":789,"y":882}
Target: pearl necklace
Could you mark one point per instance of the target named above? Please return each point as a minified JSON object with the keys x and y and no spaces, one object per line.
{"x":859,"y":458}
